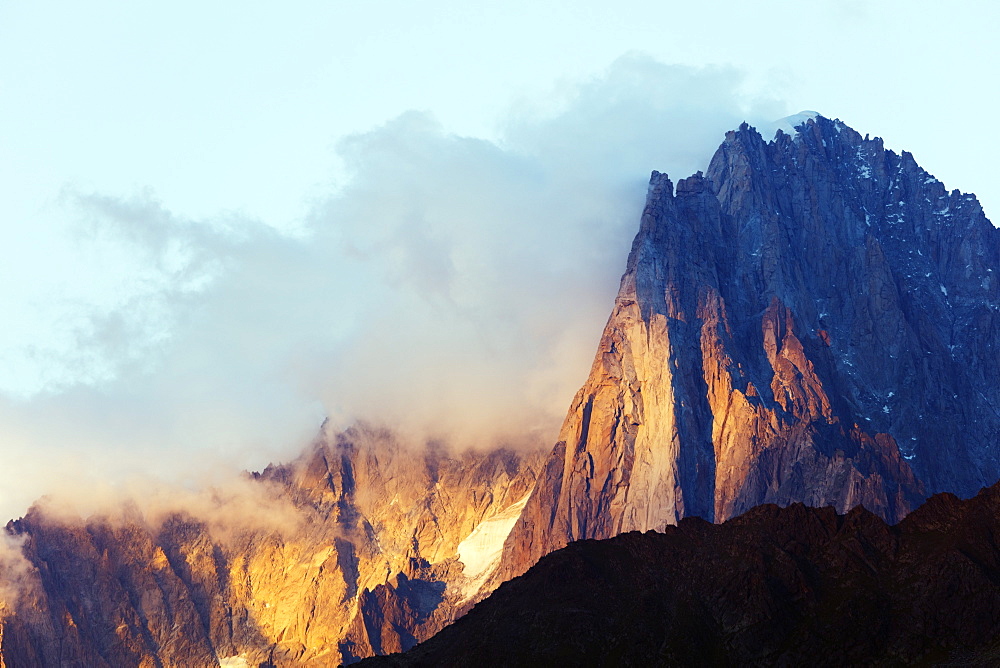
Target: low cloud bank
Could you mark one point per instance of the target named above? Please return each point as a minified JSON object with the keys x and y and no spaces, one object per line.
{"x":228,"y":508}
{"x":453,"y":288}
{"x":17,"y":575}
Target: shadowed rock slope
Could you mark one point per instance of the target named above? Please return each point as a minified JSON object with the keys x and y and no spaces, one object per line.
{"x":774,"y":586}
{"x":814,"y":320}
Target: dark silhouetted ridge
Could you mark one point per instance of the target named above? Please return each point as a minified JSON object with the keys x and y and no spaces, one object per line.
{"x":774,"y":586}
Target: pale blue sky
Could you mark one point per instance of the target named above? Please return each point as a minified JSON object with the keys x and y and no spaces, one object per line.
{"x":235,"y":105}
{"x":174,"y":176}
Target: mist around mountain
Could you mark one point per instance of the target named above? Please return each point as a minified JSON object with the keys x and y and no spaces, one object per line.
{"x":811,"y":321}
{"x":450,"y":287}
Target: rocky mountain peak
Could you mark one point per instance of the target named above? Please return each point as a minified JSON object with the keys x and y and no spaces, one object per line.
{"x":813,"y":319}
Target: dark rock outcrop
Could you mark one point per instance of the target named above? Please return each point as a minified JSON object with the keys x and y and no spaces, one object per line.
{"x":775,"y":586}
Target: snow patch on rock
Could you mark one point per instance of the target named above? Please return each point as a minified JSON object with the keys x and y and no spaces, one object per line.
{"x":788,"y":124}
{"x":233,"y":662}
{"x":480,"y":551}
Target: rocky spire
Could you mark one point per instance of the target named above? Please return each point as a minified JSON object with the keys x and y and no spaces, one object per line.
{"x":815,"y":320}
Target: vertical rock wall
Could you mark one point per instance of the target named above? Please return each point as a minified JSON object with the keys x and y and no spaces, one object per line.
{"x":813,"y":320}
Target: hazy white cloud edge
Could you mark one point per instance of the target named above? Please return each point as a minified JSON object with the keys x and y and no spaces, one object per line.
{"x":454,"y":288}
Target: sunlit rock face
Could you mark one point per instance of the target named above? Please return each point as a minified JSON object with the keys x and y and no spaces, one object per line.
{"x":361,"y":557}
{"x":815,"y":320}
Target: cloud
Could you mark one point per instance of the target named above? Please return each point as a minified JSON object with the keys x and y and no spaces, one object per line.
{"x":229,"y":507}
{"x":17,"y":575}
{"x":452,"y":288}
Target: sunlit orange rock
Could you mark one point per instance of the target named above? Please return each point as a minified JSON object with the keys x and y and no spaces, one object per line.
{"x":366,"y":559}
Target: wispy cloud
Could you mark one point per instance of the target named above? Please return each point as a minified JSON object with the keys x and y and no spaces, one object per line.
{"x":17,"y":575}
{"x":452,"y":288}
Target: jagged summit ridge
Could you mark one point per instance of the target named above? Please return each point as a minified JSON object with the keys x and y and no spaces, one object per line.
{"x":813,"y":319}
{"x":789,"y":124}
{"x":940,"y":256}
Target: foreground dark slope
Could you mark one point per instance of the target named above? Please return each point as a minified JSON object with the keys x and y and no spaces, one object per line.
{"x":775,"y":586}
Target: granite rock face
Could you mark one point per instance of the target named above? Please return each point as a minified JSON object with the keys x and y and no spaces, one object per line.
{"x":814,"y":320}
{"x":363,"y":556}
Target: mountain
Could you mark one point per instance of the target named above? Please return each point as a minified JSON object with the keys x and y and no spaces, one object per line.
{"x":814,"y":319}
{"x":369,"y":546}
{"x":786,"y":586}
